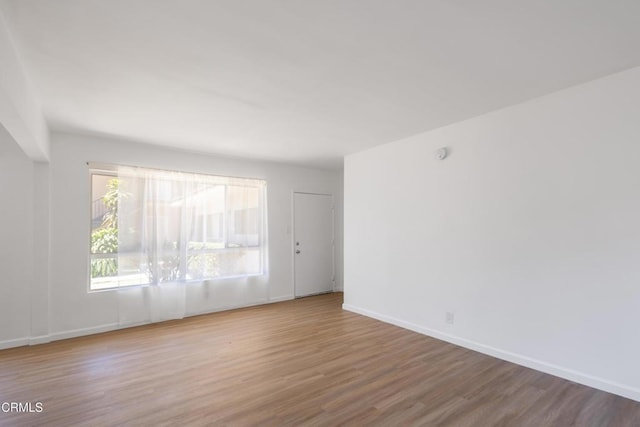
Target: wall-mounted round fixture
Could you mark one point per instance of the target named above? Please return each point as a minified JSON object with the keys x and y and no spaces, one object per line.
{"x":441,"y":153}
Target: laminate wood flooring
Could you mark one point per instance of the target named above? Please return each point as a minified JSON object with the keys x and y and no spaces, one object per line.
{"x":295,"y":363}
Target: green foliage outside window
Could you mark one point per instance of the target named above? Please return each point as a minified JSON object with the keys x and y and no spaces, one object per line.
{"x":104,"y":240}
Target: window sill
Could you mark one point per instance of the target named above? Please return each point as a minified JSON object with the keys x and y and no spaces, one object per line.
{"x":192,"y":282}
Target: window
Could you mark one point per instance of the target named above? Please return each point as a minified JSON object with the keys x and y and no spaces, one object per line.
{"x":151,"y":226}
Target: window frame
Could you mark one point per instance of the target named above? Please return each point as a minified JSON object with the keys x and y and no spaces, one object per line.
{"x":110,"y":170}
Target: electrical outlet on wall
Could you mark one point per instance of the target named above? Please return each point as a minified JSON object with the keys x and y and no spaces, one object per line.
{"x":449,"y":317}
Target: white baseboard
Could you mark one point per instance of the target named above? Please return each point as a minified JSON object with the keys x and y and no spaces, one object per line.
{"x":83,"y":331}
{"x":18,"y":342}
{"x":226,"y":308}
{"x":42,"y":339}
{"x":281,"y":298}
{"x":539,"y":365}
{"x":114,"y":326}
{"x":56,"y":336}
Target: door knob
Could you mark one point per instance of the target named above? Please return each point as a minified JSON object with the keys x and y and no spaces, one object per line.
{"x":298,"y":251}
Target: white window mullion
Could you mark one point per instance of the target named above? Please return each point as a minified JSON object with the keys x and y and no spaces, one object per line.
{"x":154,"y":231}
{"x":184,"y":232}
{"x":225,"y":218}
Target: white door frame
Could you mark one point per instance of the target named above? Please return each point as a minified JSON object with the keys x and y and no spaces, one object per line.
{"x":293,"y":237}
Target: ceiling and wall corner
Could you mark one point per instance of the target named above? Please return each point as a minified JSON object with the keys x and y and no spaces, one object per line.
{"x":20,"y":112}
{"x":305,"y":82}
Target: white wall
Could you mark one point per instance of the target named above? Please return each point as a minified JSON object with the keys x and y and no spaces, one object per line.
{"x":24,"y":230}
{"x":529,"y":232}
{"x":75,"y":311}
{"x":16,"y":242}
{"x":20,"y":112}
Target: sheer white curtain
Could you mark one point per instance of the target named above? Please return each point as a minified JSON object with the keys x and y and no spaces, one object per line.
{"x":178,"y":230}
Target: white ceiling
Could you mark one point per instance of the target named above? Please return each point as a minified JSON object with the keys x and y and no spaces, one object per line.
{"x":306,"y":81}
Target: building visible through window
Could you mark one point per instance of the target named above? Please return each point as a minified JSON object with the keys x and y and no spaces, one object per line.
{"x":149,"y":227}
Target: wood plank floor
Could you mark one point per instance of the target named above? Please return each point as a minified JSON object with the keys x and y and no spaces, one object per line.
{"x":302,"y":362}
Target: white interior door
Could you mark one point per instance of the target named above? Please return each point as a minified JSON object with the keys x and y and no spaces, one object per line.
{"x":313,"y":243}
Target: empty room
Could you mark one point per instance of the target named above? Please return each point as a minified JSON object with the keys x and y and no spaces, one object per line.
{"x":319,"y":213}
